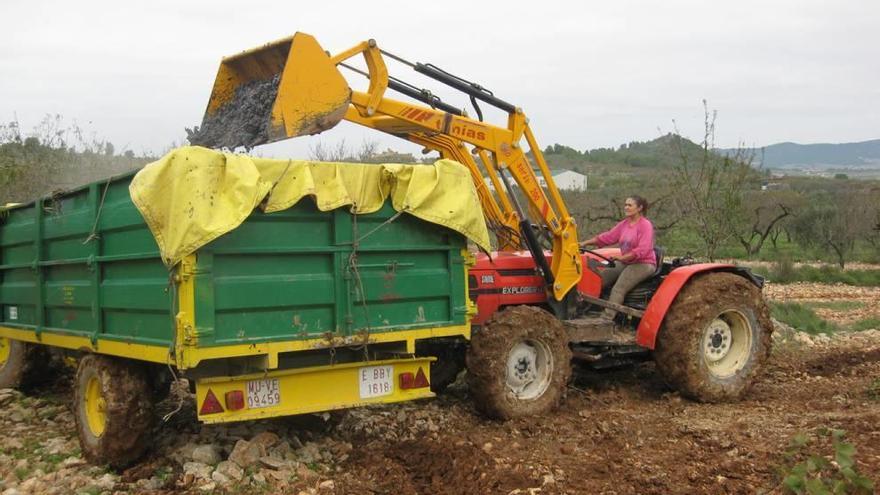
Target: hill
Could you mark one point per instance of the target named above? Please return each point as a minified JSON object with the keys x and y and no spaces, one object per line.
{"x":660,"y":153}
{"x":865,"y":154}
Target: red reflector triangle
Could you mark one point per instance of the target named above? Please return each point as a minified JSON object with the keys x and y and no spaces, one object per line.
{"x":211,"y":404}
{"x":421,"y":380}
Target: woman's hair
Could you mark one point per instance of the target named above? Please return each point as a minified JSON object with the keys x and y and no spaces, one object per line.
{"x":640,"y":201}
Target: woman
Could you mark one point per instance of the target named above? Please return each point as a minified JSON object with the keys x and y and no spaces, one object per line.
{"x":637,"y":261}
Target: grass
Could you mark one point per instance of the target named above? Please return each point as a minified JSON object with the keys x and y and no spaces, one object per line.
{"x":801,"y":318}
{"x":837,"y":305}
{"x":784,"y":272}
{"x":873,"y":391}
{"x":865,"y":324}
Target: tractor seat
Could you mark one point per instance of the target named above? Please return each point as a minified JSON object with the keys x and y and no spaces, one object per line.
{"x":658,"y":253}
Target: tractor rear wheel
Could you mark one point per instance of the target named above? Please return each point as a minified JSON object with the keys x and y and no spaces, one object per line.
{"x":715,"y":338}
{"x":22,"y":365}
{"x":113,"y":409}
{"x":519,"y":363}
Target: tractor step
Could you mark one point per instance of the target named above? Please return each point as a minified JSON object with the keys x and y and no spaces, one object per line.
{"x":598,"y":330}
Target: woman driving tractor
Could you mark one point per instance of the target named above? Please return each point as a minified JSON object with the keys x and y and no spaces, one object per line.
{"x":637,"y":261}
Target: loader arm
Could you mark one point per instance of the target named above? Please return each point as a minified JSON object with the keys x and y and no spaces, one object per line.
{"x":312,"y":96}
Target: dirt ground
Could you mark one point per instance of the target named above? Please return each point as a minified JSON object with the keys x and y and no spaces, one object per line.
{"x":618,"y":432}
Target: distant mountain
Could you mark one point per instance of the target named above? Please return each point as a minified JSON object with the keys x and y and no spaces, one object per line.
{"x":791,"y":155}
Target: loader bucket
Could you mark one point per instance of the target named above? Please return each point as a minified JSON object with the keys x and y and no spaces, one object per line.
{"x":284,"y":89}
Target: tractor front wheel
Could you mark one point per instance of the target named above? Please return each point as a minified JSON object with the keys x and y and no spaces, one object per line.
{"x":519,"y":364}
{"x":715,"y":338}
{"x":113,"y":409}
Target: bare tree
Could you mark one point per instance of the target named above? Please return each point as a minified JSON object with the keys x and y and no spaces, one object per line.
{"x":710,"y":186}
{"x":834,"y":222}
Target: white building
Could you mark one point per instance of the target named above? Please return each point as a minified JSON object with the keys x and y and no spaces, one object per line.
{"x":566,"y":180}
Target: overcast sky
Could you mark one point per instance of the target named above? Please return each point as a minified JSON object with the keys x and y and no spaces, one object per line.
{"x":588,"y":74}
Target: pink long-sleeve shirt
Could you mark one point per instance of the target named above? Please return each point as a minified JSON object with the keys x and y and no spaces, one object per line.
{"x":635,"y":238}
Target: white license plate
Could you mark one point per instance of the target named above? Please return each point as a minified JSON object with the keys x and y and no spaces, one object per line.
{"x":376,"y":381}
{"x":263,"y":393}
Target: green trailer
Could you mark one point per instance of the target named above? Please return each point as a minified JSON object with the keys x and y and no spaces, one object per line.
{"x":291,"y":312}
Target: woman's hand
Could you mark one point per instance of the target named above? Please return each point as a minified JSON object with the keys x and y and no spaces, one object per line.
{"x":589,"y":242}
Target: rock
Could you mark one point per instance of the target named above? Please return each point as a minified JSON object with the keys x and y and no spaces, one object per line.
{"x":198,"y":470}
{"x":208,"y":487}
{"x":11,"y":491}
{"x":246,"y":454}
{"x":184,"y":453}
{"x":328,"y":485}
{"x":230,"y":470}
{"x":106,"y":482}
{"x":219,"y":478}
{"x":281,"y":450}
{"x":305,"y":474}
{"x":73,"y":462}
{"x":55,"y":445}
{"x":266,"y":439}
{"x":207,"y":454}
{"x":12,"y":444}
{"x":259,"y":478}
{"x":295,"y":442}
{"x":281,"y":477}
{"x":309,"y":453}
{"x":272,"y":463}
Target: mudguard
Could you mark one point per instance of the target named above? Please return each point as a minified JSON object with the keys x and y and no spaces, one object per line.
{"x":646,"y":333}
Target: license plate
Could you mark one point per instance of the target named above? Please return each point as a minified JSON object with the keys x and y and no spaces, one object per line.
{"x":376,"y":381}
{"x":263,"y":393}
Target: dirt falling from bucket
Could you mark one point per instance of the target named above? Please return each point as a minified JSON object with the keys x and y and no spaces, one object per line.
{"x":242,"y":122}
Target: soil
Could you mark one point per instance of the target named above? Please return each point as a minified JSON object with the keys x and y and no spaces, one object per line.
{"x":618,"y":432}
{"x":242,"y":122}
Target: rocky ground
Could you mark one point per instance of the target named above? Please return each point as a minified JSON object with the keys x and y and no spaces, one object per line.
{"x":618,"y":432}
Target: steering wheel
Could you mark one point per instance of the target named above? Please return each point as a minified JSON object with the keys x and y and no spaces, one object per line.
{"x":608,"y":260}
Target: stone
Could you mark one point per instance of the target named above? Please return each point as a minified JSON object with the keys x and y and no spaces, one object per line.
{"x":207,"y":454}
{"x":259,"y":478}
{"x":208,"y":487}
{"x":219,"y":478}
{"x":305,"y":474}
{"x":266,"y":439}
{"x":309,"y":453}
{"x":328,"y":485}
{"x":106,"y":482}
{"x":246,"y":454}
{"x":230,"y":470}
{"x":282,"y":449}
{"x":198,"y":470}
{"x":272,"y":463}
{"x":73,"y":462}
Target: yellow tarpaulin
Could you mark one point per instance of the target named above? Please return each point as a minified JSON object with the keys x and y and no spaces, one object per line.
{"x":193,"y":195}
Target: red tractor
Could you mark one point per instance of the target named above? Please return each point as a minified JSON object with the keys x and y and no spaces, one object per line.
{"x":706,"y":325}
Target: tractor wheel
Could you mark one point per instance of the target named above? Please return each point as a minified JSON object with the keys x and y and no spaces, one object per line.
{"x":519,"y":364}
{"x":113,"y":409}
{"x":715,"y":338}
{"x":22,"y":365}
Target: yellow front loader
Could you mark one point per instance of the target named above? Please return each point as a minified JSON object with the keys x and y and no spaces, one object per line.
{"x":292,"y":87}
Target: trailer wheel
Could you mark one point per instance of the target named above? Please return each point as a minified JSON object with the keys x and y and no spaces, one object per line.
{"x":519,"y":363}
{"x":22,"y":365}
{"x":715,"y":338}
{"x":114,"y":409}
